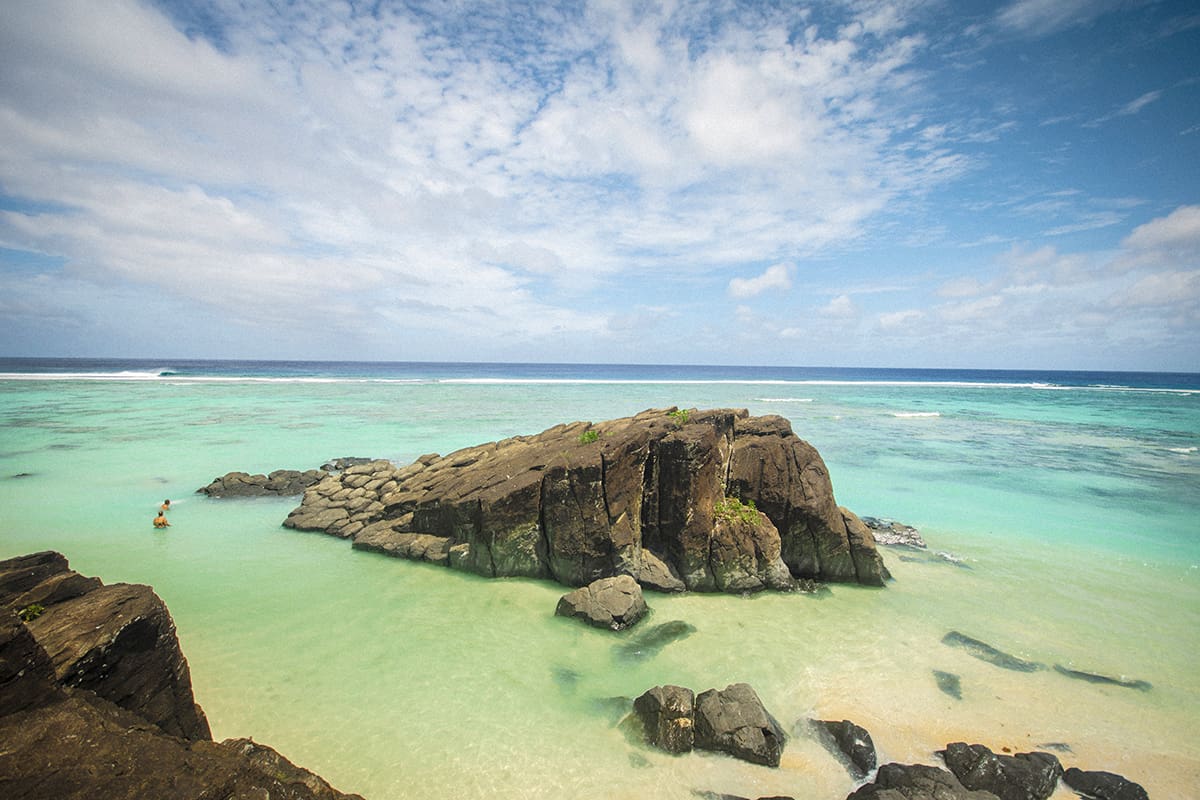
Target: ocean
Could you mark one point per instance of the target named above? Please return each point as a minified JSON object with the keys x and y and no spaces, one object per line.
{"x":1061,"y":509}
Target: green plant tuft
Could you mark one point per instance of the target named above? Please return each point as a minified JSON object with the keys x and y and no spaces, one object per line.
{"x":31,"y":612}
{"x":589,"y":436}
{"x":680,"y":415}
{"x":731,"y":509}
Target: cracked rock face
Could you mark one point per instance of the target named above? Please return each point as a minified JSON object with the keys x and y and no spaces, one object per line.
{"x":638,"y":496}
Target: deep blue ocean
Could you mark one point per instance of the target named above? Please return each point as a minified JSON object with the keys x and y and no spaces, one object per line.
{"x":1062,"y":512}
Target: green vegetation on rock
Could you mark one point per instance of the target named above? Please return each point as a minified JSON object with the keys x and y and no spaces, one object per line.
{"x":732,"y":509}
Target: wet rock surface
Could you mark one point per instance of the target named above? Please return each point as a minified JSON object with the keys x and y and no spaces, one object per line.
{"x":646,"y":496}
{"x":1099,"y":785}
{"x":96,"y":700}
{"x":851,"y":743}
{"x":732,"y":720}
{"x":916,"y":782}
{"x":667,"y":714}
{"x":1024,"y":776}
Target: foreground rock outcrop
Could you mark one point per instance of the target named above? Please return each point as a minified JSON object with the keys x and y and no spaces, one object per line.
{"x":1023,"y":776}
{"x":730,"y":720}
{"x":96,"y":700}
{"x":701,"y":500}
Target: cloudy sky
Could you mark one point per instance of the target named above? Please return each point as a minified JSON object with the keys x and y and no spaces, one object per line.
{"x":859,"y":182}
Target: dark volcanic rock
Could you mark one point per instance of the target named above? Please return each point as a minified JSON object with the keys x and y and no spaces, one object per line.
{"x":613,"y":603}
{"x":117,"y":641}
{"x":281,"y":482}
{"x":634,"y":496}
{"x":1103,"y":785}
{"x":1024,"y":776}
{"x":96,"y":701}
{"x":732,"y":720}
{"x":81,"y":747}
{"x":850,"y":742}
{"x":668,"y":715}
{"x":916,"y":782}
{"x":985,"y":652}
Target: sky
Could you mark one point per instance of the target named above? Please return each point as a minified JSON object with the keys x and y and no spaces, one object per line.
{"x":890,"y":183}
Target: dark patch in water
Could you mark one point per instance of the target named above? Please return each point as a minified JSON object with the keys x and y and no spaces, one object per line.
{"x":1091,"y":677}
{"x":985,"y":652}
{"x":939,"y":557}
{"x":1058,"y":747}
{"x":63,"y":446}
{"x":638,"y":761}
{"x":949,"y":683}
{"x":22,"y":475}
{"x":649,"y":643}
{"x":566,"y":678}
{"x":614,"y":709}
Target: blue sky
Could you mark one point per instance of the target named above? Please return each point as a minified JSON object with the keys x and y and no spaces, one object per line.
{"x":856,"y":183}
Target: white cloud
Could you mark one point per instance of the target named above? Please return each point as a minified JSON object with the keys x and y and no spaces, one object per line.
{"x":841,"y":307}
{"x":900,"y":320}
{"x":1136,"y":105}
{"x":1161,"y":289}
{"x":777,"y":276}
{"x":1178,"y":232}
{"x":1043,"y":17}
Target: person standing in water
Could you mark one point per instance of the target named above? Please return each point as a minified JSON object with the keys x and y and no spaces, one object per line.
{"x":161,"y":520}
{"x":166,"y":506}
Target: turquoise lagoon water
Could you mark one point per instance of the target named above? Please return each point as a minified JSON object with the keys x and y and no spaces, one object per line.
{"x":1071,"y":500}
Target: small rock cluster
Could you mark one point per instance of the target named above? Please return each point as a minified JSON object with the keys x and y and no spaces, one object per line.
{"x":279,"y":483}
{"x":974,"y":772}
{"x":730,"y":720}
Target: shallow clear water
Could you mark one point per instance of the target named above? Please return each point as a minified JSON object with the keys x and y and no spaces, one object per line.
{"x":1075,"y":510}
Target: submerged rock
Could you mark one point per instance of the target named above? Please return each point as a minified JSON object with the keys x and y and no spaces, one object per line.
{"x":648,"y":643}
{"x":1024,"y":776}
{"x":96,"y":701}
{"x":985,"y":652}
{"x":948,"y":683}
{"x":1090,"y":677}
{"x":613,"y":603}
{"x":700,"y":500}
{"x":1103,"y":785}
